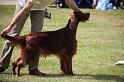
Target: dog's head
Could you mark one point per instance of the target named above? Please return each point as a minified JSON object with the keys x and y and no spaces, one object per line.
{"x":77,"y":17}
{"x":80,"y":16}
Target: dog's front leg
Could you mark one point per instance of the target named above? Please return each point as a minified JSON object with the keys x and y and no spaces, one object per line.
{"x":68,"y":65}
{"x":62,"y":67}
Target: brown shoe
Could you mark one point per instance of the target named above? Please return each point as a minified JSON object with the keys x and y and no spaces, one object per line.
{"x":36,"y":72}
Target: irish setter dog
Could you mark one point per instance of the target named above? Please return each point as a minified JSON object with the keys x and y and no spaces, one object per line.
{"x":61,"y":42}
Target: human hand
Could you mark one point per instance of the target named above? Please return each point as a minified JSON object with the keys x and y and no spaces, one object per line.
{"x":81,"y":16}
{"x":5,"y":31}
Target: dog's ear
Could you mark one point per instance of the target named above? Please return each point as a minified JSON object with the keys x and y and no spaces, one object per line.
{"x":82,"y":16}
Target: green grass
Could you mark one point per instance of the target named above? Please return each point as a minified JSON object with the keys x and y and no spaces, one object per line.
{"x":100,"y":45}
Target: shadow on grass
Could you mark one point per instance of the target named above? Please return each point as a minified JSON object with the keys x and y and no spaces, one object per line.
{"x":90,"y":77}
{"x":101,"y":77}
{"x":5,"y":73}
{"x":116,"y":78}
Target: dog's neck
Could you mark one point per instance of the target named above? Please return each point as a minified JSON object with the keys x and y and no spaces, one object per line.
{"x":72,"y":27}
{"x":72,"y":24}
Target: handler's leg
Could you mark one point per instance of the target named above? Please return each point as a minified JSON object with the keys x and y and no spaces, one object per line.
{"x":7,"y":48}
{"x":37,"y":19}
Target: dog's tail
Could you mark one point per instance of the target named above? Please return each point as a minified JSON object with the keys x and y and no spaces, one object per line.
{"x":17,"y":40}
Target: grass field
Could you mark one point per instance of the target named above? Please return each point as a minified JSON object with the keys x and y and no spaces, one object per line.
{"x":100,"y":45}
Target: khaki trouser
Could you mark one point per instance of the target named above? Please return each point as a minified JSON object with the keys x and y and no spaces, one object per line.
{"x":37,"y":18}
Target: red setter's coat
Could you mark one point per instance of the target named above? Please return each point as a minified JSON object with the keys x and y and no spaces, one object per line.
{"x":61,"y":42}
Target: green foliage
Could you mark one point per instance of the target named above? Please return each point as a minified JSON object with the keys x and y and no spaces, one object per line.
{"x":100,"y":45}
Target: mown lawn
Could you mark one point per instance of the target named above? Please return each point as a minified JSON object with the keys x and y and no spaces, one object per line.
{"x":100,"y":45}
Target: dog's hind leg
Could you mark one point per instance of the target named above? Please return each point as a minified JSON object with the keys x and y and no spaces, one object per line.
{"x":20,"y":64}
{"x":14,"y":65}
{"x":21,"y":61}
